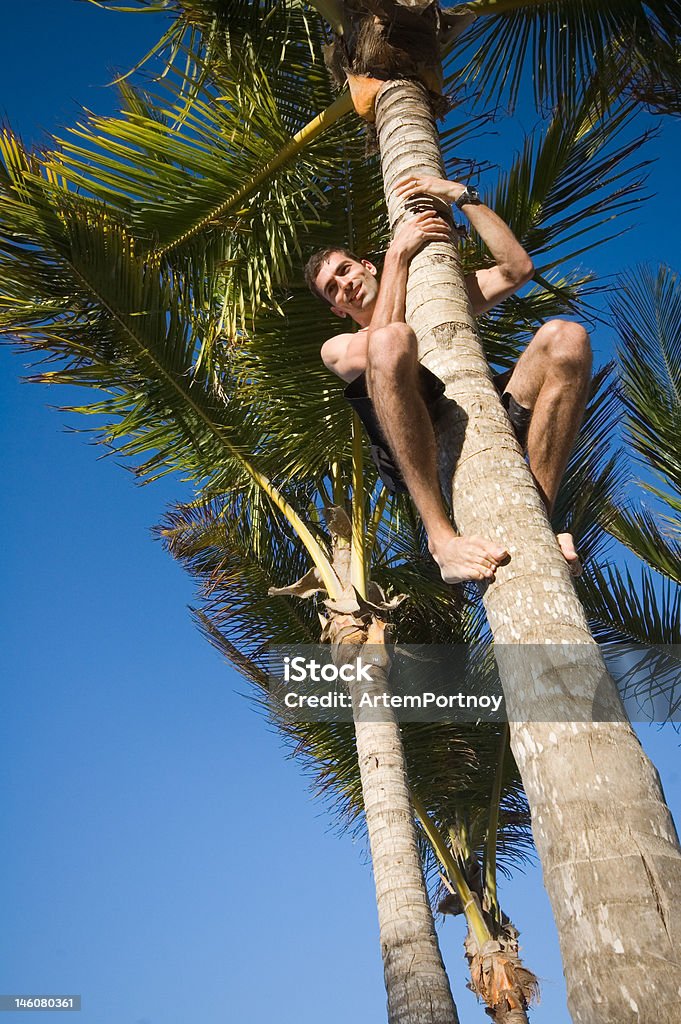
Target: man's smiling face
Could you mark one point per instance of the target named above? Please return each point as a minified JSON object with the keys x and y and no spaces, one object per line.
{"x":350,"y":286}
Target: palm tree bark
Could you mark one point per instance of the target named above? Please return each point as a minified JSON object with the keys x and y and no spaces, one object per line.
{"x":607,"y":842}
{"x":416,"y":982}
{"x":415,"y":978}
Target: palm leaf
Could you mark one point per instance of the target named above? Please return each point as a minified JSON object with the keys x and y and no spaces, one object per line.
{"x":650,"y":538}
{"x":555,"y":43}
{"x":572,"y":179}
{"x":172,"y":171}
{"x":210,"y":31}
{"x":647,"y":315}
{"x":657,"y":85}
{"x":620,"y":608}
{"x":639,"y":622}
{"x":77,"y":291}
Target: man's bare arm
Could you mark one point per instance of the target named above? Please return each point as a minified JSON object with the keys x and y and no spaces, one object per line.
{"x":411,"y":236}
{"x":513,"y":268}
{"x":346,"y":354}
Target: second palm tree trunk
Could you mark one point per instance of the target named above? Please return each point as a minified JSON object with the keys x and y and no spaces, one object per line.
{"x":609,"y":850}
{"x":416,"y":982}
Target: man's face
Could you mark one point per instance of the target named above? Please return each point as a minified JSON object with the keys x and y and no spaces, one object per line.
{"x":350,"y":286}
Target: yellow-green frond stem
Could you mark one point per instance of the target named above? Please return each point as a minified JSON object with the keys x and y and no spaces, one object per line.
{"x":357,"y":553}
{"x":471,"y":909}
{"x":312,"y":545}
{"x":492,"y":829}
{"x":337,"y":485}
{"x":338,"y":109}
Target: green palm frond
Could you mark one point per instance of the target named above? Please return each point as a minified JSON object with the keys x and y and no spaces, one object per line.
{"x":654,"y":539}
{"x":459,"y":761}
{"x":451,"y":770}
{"x":639,"y":624}
{"x":555,"y":43}
{"x":241,"y":619}
{"x":646,"y":611}
{"x":657,"y":84}
{"x":77,"y":291}
{"x":571,"y":180}
{"x":211,"y":31}
{"x":454,"y":766}
{"x":646,"y":311}
{"x":173,"y":171}
{"x":203,"y":169}
{"x":236,"y":560}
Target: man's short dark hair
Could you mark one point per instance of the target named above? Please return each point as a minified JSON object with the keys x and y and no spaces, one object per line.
{"x":316,"y":262}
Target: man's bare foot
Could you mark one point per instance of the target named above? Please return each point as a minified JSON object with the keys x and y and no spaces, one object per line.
{"x":567,"y":546}
{"x":467,"y":558}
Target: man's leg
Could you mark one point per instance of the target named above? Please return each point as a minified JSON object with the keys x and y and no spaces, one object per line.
{"x":393,"y":382}
{"x":552,"y":378}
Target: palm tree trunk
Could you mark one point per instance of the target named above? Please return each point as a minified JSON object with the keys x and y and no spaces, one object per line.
{"x":415,"y":978}
{"x":416,"y":982}
{"x":608,"y":846}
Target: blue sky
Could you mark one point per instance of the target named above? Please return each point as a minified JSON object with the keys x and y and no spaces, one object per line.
{"x":160,"y":854}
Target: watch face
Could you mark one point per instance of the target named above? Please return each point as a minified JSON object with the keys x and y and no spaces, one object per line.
{"x":469,"y":195}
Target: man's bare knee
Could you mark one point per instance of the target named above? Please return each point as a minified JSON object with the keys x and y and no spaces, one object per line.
{"x":566,"y":347}
{"x":392,"y":354}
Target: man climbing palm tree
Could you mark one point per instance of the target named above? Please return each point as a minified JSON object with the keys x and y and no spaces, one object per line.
{"x":544,"y":395}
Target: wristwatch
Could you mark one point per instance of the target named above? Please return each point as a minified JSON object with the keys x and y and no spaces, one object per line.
{"x":469,"y":195}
